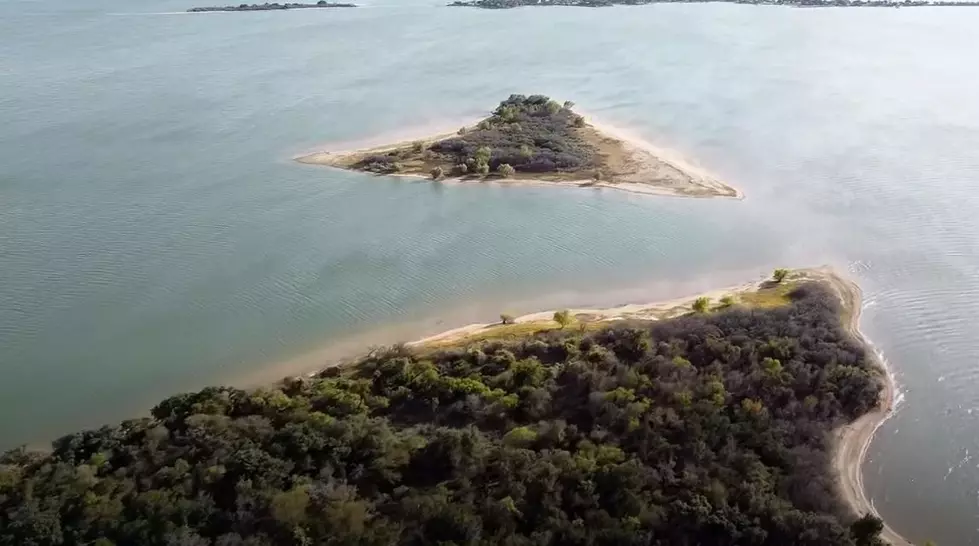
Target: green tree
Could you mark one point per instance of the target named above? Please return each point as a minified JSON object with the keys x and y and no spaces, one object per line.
{"x":780,"y":274}
{"x":482,"y":168}
{"x":483,"y":154}
{"x":289,"y":507}
{"x":701,"y":304}
{"x":506,"y":170}
{"x":506,"y":318}
{"x":563,"y":317}
{"x":520,"y":437}
{"x":727,"y":301}
{"x":866,"y":530}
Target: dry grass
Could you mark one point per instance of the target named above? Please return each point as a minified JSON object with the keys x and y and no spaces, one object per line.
{"x":769,"y":295}
{"x":512,"y":332}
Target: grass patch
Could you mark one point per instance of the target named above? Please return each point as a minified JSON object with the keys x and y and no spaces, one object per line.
{"x":768,"y":296}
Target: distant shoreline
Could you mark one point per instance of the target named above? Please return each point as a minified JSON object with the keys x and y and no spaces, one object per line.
{"x":510,"y":4}
{"x":643,"y":168}
{"x":268,"y":7}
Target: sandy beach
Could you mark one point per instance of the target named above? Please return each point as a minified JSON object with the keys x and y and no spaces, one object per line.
{"x":634,"y":165}
{"x":658,"y":310}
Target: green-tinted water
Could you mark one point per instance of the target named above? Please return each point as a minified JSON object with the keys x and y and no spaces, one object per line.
{"x":155,"y":235}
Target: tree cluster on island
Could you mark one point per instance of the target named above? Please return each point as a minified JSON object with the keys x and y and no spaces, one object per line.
{"x":525,"y":134}
{"x":710,"y":429}
{"x":507,"y":4}
{"x":271,"y":7}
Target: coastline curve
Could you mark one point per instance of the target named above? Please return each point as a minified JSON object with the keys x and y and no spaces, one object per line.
{"x":854,"y":439}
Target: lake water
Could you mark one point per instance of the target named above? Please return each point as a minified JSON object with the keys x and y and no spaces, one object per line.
{"x":155,"y":235}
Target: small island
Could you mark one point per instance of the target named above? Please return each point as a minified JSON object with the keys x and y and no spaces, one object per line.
{"x":270,"y":7}
{"x":534,"y":139}
{"x":507,"y":4}
{"x":705,"y":420}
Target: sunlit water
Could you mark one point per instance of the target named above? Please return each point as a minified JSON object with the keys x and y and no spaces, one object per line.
{"x":155,"y":235}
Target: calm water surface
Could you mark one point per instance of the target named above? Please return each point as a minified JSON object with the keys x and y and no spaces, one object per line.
{"x":155,"y":235}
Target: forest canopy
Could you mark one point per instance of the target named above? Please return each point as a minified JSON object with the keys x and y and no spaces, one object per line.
{"x":708,"y":429}
{"x":529,"y":134}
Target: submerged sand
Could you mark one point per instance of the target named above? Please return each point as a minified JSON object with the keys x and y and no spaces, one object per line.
{"x":628,"y":164}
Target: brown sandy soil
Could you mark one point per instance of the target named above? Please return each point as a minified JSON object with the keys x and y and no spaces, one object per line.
{"x":625,"y":164}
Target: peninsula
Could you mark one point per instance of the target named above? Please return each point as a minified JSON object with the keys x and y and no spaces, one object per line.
{"x":507,"y":4}
{"x":705,"y":420}
{"x":270,"y":7}
{"x":534,"y":139}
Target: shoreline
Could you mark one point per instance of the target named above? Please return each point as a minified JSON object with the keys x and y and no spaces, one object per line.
{"x":854,"y":439}
{"x":673,"y":175}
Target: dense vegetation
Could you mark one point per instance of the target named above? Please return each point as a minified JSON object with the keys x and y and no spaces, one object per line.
{"x":710,"y":429}
{"x":525,"y":134}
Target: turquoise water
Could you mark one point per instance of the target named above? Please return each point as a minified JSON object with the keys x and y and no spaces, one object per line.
{"x":156,"y":236}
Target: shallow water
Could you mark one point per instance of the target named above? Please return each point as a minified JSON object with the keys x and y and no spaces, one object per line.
{"x":155,"y":235}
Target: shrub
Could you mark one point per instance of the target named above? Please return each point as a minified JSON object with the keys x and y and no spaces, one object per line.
{"x":483,"y":154}
{"x":728,"y":301}
{"x":461,"y":169}
{"x":506,"y":170}
{"x":701,"y":304}
{"x":524,"y":134}
{"x":563,"y":318}
{"x":437,"y":173}
{"x":506,"y":318}
{"x":780,"y":274}
{"x":520,"y":437}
